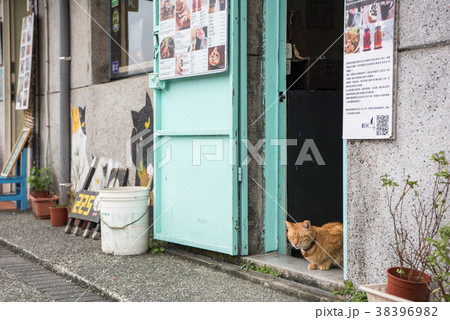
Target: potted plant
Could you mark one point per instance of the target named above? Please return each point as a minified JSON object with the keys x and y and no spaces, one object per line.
{"x":439,"y":262}
{"x":59,"y":214}
{"x":409,"y":279}
{"x":40,"y":181}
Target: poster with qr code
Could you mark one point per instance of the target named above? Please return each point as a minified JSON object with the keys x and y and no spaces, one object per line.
{"x":369,"y":49}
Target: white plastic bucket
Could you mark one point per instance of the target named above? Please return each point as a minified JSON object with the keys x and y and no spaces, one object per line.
{"x":125,"y":220}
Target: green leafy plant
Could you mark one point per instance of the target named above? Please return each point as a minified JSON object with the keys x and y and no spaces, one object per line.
{"x":264,"y":269}
{"x":41,"y":179}
{"x":352,"y":293}
{"x":412,"y":250}
{"x":61,"y":205}
{"x":156,"y":246}
{"x":71,"y":197}
{"x":439,"y":263}
{"x":248,"y":266}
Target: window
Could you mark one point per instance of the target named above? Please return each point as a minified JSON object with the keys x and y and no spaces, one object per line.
{"x":131,"y":42}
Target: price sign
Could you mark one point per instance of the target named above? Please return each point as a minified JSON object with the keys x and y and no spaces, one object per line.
{"x":85,"y":207}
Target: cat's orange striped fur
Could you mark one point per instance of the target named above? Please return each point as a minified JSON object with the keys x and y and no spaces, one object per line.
{"x":321,"y":246}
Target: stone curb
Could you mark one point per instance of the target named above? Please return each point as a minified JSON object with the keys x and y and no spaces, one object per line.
{"x":292,"y":288}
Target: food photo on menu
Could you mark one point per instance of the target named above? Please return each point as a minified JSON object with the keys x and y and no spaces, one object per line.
{"x":22,"y":66}
{"x":25,"y":99}
{"x":28,"y":64}
{"x":351,"y":40}
{"x":167,"y":48}
{"x":20,"y":86}
{"x":199,"y":39}
{"x":167,"y":10}
{"x":353,"y":18}
{"x":24,"y":24}
{"x":19,"y":99}
{"x":377,"y":12}
{"x":217,"y":5}
{"x":179,"y":67}
{"x":369,"y":14}
{"x":216,"y":58}
{"x":387,"y":9}
{"x":197,"y":5}
{"x":183,"y":15}
{"x":27,"y":80}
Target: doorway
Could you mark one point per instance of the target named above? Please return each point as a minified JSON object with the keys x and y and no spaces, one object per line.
{"x":314,"y":175}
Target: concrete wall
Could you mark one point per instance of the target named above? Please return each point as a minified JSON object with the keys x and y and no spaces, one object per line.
{"x":105,"y":114}
{"x":423,"y":127}
{"x":255,"y":108}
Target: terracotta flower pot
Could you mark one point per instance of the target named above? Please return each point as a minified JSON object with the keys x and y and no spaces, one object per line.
{"x":58,"y":216}
{"x":399,"y":285}
{"x":40,"y":194}
{"x":41,"y":206}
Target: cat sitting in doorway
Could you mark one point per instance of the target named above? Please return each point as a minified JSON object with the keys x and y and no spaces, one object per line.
{"x":321,"y":246}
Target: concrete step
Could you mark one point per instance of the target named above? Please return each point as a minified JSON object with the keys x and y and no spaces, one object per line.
{"x":302,"y":291}
{"x":296,"y":269}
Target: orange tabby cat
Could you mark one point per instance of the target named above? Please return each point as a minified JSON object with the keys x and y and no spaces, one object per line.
{"x":321,"y":246}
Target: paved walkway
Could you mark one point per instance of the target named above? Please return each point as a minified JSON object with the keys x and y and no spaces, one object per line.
{"x":148,"y":277}
{"x":36,"y":283}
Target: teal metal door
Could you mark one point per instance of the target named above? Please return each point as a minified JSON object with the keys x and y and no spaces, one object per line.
{"x":198,"y":194}
{"x":275,"y":125}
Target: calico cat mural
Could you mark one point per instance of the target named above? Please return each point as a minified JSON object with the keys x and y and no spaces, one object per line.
{"x":142,"y":142}
{"x":80,"y":165}
{"x":81,"y":161}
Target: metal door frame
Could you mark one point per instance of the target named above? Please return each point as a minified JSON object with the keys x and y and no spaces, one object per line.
{"x":275,"y":127}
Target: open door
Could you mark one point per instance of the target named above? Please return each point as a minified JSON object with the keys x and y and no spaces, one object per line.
{"x":196,"y":152}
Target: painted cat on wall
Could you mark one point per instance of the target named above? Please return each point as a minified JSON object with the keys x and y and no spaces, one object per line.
{"x":142,"y":142}
{"x":81,"y":161}
{"x":80,"y":165}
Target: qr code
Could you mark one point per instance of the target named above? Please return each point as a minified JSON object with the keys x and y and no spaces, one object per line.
{"x":382,"y":125}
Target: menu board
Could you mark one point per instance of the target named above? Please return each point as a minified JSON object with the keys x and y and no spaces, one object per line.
{"x":26,"y":53}
{"x":369,"y":69}
{"x":193,"y":37}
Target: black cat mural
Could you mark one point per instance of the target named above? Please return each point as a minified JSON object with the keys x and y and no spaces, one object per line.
{"x":142,"y":140}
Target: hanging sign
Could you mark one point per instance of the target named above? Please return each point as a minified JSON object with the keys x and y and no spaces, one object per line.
{"x":25,"y":64}
{"x":369,"y":69}
{"x":193,"y":37}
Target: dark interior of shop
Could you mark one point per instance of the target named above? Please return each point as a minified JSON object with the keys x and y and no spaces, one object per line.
{"x":314,"y":111}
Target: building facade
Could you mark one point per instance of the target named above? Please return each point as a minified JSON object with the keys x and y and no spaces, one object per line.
{"x":116,"y":111}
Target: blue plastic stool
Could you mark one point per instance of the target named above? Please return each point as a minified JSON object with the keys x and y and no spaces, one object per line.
{"x":20,"y":179}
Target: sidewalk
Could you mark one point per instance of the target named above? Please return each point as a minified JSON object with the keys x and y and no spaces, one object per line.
{"x":148,"y":277}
